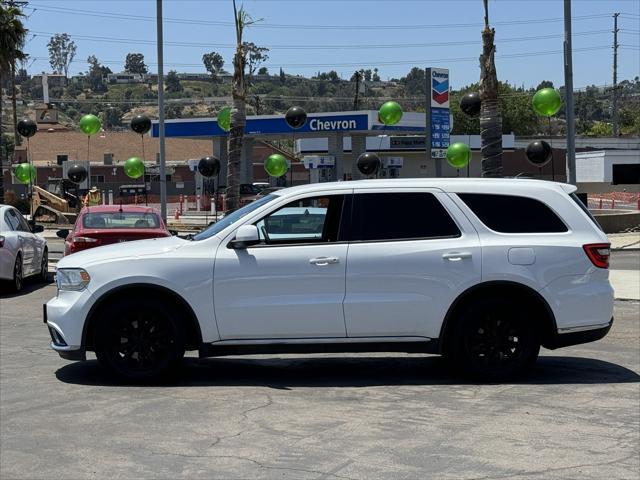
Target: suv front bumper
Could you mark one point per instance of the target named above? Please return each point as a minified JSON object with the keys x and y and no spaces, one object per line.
{"x":65,"y":316}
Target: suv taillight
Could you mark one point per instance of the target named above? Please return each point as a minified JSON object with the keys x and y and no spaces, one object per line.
{"x":598,"y":253}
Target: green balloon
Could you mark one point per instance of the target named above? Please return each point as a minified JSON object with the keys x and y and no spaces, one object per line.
{"x":458,"y":155}
{"x":25,"y":173}
{"x":390,"y":113}
{"x":134,"y":167}
{"x":547,"y":102}
{"x":276,"y":165}
{"x":224,"y":119}
{"x":90,"y":124}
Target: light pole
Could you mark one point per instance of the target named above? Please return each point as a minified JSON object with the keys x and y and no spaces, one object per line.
{"x":163,"y":176}
{"x":568,"y":87}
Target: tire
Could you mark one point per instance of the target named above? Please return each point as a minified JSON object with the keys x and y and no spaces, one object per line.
{"x":139,"y":340}
{"x":44,"y":266}
{"x":494,"y":340}
{"x":18,"y":278}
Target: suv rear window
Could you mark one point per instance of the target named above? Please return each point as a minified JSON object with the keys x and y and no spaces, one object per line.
{"x":584,"y":208}
{"x":400,"y":216}
{"x":513,"y":214}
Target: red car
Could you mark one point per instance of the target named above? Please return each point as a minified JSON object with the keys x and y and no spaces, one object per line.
{"x":107,"y":224}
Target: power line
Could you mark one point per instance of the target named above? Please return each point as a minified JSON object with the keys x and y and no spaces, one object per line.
{"x":103,"y":14}
{"x":317,"y":46}
{"x":374,"y":62}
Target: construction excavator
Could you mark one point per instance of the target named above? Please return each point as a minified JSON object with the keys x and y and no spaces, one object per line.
{"x":56,"y":204}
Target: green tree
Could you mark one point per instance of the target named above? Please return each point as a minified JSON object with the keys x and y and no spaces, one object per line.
{"x":12,"y":38}
{"x":544,"y":84}
{"x":96,"y":74}
{"x":283,"y":77}
{"x":263,"y":71}
{"x":213,"y":62}
{"x":375,"y":77}
{"x":134,"y":63}
{"x":254,"y":57}
{"x":490,"y":116}
{"x":62,"y":50}
{"x":173,"y":82}
{"x":415,"y":82}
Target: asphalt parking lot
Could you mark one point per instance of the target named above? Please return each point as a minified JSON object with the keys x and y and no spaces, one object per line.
{"x":577,"y":415}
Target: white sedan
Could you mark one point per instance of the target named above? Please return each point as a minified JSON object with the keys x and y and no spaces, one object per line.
{"x":22,"y":252}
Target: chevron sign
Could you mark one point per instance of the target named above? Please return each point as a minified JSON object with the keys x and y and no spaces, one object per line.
{"x":440,"y":87}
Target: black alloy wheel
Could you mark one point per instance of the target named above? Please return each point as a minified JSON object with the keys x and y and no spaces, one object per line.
{"x":138,"y":340}
{"x":495,"y":340}
{"x":44,"y":266}
{"x":17,"y":274}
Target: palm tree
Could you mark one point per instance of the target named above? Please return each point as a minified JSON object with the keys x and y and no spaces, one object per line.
{"x":490,"y":117}
{"x":238,"y":111}
{"x":12,"y":38}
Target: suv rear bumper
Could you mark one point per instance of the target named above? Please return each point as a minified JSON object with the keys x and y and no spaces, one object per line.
{"x":576,"y":336}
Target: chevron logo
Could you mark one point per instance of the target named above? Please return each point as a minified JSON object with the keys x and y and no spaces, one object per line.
{"x":440,"y":87}
{"x":441,"y":97}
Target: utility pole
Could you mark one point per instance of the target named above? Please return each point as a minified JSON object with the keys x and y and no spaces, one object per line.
{"x":163,"y":175}
{"x":356,"y":77}
{"x":615,"y":74}
{"x":568,"y":87}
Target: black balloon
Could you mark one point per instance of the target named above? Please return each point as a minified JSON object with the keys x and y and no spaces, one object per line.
{"x":296,"y":117}
{"x":368,"y":163}
{"x":77,"y":173}
{"x":470,"y":104}
{"x":141,"y":124}
{"x":27,"y":127}
{"x":538,"y":153}
{"x":209,"y":166}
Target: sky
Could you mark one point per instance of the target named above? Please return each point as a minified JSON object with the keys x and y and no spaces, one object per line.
{"x":307,"y":36}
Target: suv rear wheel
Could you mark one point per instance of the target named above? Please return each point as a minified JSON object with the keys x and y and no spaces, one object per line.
{"x":494,"y":340}
{"x":139,"y":339}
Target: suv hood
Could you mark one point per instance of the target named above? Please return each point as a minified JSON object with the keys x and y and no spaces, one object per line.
{"x":118,"y":251}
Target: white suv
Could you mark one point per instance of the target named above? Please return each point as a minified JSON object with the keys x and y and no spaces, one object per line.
{"x":483,"y":271}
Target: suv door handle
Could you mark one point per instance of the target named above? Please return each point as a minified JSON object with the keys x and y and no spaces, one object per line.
{"x":456,"y":256}
{"x":322,"y":261}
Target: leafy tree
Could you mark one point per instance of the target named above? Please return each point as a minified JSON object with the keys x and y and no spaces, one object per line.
{"x":375,"y":77}
{"x":96,"y":74}
{"x":415,"y":82}
{"x":173,"y":82}
{"x":255,"y":56}
{"x":544,"y":84}
{"x":12,"y":38}
{"x":62,"y":50}
{"x":134,"y":63}
{"x":283,"y":77}
{"x":490,"y":117}
{"x":263,"y":71}
{"x":213,"y":62}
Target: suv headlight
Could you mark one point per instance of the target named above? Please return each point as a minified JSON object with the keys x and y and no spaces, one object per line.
{"x":73,"y":279}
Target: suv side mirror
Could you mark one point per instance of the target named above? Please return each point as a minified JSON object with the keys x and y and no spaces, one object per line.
{"x":64,"y":233}
{"x":246,"y":236}
{"x":35,"y":228}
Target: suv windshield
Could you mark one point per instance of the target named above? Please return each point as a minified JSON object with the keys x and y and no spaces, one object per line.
{"x":232,"y":217}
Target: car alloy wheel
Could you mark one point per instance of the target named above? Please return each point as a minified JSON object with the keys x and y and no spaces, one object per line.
{"x":138,"y":340}
{"x":17,"y":274}
{"x":44,"y":267}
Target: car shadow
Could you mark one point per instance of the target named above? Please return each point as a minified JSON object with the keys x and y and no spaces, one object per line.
{"x":291,"y":372}
{"x":30,"y":284}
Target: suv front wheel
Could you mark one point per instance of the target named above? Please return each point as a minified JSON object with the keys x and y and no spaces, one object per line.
{"x":139,"y":339}
{"x":494,"y":340}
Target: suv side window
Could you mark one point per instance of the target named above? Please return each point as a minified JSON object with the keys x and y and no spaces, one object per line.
{"x":513,"y":214}
{"x":400,"y":216}
{"x":23,"y":225}
{"x":308,"y":220}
